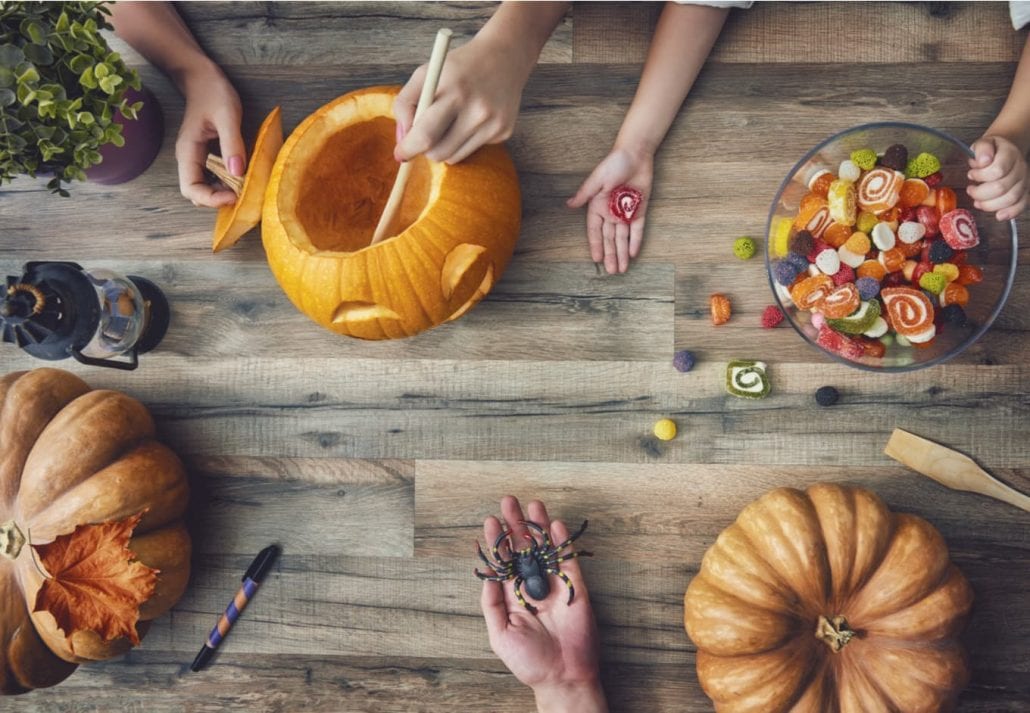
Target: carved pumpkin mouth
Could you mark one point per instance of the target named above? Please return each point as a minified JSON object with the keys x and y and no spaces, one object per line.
{"x":339,"y":176}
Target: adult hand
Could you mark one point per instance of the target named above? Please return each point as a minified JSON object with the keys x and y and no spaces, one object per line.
{"x":610,"y":239}
{"x":555,"y":651}
{"x":1000,"y":169}
{"x":212,"y":112}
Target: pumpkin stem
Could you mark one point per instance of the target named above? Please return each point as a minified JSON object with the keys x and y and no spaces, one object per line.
{"x":11,"y":540}
{"x":834,"y":632}
{"x":215,"y":165}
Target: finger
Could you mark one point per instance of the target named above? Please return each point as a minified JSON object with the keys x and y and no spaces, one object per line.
{"x":538,"y":515}
{"x":425,"y":134}
{"x":407,"y":100}
{"x":590,"y":188}
{"x":1001,"y":165}
{"x":492,"y":601}
{"x":608,"y":235}
{"x":1014,"y":211}
{"x":230,"y":141}
{"x":993,"y":189}
{"x":1006,"y":200}
{"x":512,"y":512}
{"x":459,"y":134}
{"x":479,"y":139}
{"x":594,"y":223}
{"x":636,"y":235}
{"x":983,"y":153}
{"x":190,"y":157}
{"x":622,"y":246}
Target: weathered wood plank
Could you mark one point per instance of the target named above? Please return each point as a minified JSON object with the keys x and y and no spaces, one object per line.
{"x":794,"y":32}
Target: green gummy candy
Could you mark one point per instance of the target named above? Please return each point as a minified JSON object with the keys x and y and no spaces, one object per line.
{"x":744,"y":248}
{"x":858,"y":322}
{"x":923,"y":165}
{"x":747,"y":379}
{"x":935,"y":282}
{"x":864,"y":158}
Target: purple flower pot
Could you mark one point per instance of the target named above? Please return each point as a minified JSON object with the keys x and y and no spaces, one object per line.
{"x":142,"y":142}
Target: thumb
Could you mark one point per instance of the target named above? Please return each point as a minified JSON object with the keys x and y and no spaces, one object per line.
{"x":590,"y":188}
{"x":230,"y":141}
{"x":983,"y":151}
{"x":406,"y":101}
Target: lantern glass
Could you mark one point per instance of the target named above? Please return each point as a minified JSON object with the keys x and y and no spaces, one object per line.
{"x":122,"y":315}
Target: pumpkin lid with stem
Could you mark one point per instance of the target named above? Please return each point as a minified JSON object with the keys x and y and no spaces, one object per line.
{"x":235,"y":220}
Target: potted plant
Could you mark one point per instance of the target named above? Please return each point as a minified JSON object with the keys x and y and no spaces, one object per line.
{"x":69,"y":107}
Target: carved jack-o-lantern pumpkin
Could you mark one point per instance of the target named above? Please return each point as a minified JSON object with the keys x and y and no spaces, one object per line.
{"x":328,"y":186}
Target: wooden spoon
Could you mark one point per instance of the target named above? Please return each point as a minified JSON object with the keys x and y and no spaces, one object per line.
{"x":950,"y":468}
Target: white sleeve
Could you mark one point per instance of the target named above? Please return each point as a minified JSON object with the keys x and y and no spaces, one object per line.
{"x":1020,"y":14}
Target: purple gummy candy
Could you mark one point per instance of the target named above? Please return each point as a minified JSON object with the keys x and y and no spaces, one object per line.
{"x":868,"y":288}
{"x":798,"y":261}
{"x":683,"y":361}
{"x":785,"y":272}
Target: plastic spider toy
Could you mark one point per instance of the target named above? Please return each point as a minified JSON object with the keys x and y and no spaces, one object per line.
{"x":530,"y":565}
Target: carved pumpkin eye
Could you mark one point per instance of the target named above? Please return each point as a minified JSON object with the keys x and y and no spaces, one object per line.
{"x":481,"y":292}
{"x":355,"y":313}
{"x":457,"y":265}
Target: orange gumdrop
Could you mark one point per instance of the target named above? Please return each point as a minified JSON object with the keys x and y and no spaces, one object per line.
{"x":841,"y":302}
{"x":969,"y":275}
{"x":946,"y":200}
{"x":873,"y":269}
{"x":913,"y":192}
{"x":954,"y":294}
{"x":837,"y":234}
{"x":821,"y":185}
{"x":892,"y":260}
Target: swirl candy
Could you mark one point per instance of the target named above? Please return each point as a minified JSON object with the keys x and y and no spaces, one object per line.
{"x":813,"y":216}
{"x":841,"y":302}
{"x":810,"y":292}
{"x":880,"y":189}
{"x":747,"y":379}
{"x":841,"y":200}
{"x":910,"y":313}
{"x":959,"y":229}
{"x":623,"y":203}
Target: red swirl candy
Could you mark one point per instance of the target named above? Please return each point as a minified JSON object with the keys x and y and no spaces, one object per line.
{"x":959,"y":229}
{"x":623,"y":203}
{"x":880,"y":189}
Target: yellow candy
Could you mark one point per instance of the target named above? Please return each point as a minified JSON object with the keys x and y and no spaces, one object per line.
{"x":842,"y":202}
{"x":949,"y":271}
{"x":858,"y":244}
{"x":866,"y":222}
{"x":665,"y":429}
{"x":781,"y":236}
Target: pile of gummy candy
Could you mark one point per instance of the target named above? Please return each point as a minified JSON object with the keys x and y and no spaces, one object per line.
{"x":877,"y":253}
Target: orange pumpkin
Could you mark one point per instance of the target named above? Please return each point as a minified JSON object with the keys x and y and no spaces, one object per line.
{"x":71,"y":456}
{"x":826,"y":601}
{"x":458,"y":224}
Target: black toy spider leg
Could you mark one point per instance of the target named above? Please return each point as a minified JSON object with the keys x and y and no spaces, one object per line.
{"x":565,"y":578}
{"x":496,"y":566}
{"x":542,"y":531}
{"x":554,"y":559}
{"x":572,"y":538}
{"x":521,"y":599}
{"x":493,"y":577}
{"x":497,"y":544}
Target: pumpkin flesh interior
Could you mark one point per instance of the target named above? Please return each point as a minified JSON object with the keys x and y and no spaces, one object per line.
{"x":345,"y":186}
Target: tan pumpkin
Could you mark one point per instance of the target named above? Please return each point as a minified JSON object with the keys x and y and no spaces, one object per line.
{"x":825,"y":601}
{"x":70,"y":456}
{"x":457,"y":224}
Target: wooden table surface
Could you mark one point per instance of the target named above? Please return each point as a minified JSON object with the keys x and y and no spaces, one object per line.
{"x":373,"y":464}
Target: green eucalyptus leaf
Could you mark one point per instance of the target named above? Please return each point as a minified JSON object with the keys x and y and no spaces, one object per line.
{"x":62,"y":23}
{"x":101,"y":70}
{"x":11,"y":55}
{"x":39,"y":54}
{"x":85,"y":118}
{"x":87,"y":79}
{"x":26,"y":73}
{"x":7,"y":97}
{"x":6,"y":77}
{"x":79,"y":63}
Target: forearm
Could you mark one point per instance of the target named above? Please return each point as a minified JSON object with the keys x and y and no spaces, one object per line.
{"x":585,"y":697}
{"x":1013,"y":121}
{"x":157,"y":32}
{"x":523,"y":29}
{"x":682,"y":41}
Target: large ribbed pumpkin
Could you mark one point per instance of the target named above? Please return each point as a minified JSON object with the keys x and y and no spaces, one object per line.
{"x":825,"y":601}
{"x":71,"y":456}
{"x":458,"y":224}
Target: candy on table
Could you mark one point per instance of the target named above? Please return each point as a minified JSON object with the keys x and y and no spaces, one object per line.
{"x":811,"y":291}
{"x":959,"y":229}
{"x":820,"y":182}
{"x":744,"y":248}
{"x":849,"y":258}
{"x":828,"y":261}
{"x":859,"y":321}
{"x":954,"y":294}
{"x":839,"y":344}
{"x":871,"y":269}
{"x":954,"y":314}
{"x":747,"y":379}
{"x":877,"y":329}
{"x":883,"y":236}
{"x":841,"y":202}
{"x":683,"y":360}
{"x":801,"y":243}
{"x":779,"y":236}
{"x":895,"y":157}
{"x":836,"y":234}
{"x":867,"y":287}
{"x":909,"y":312}
{"x":950,"y":272}
{"x":911,"y":231}
{"x":865,"y":159}
{"x":969,"y":275}
{"x":913,"y":192}
{"x":719,"y":304}
{"x":826,"y":396}
{"x":849,"y":171}
{"x":771,"y":316}
{"x":922,"y":166}
{"x":946,"y":200}
{"x":930,"y":219}
{"x":841,"y":302}
{"x":878,"y":190}
{"x":892,"y":260}
{"x":623,"y":203}
{"x":665,"y":429}
{"x":844,"y":274}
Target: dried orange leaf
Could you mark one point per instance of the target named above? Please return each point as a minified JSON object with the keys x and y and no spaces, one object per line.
{"x":96,"y":583}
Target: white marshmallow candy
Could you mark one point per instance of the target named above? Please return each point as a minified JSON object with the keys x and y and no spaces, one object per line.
{"x":849,"y":171}
{"x":828,"y":261}
{"x":813,"y":270}
{"x":878,"y":329}
{"x":883,"y":236}
{"x":849,"y":258}
{"x":911,"y":231}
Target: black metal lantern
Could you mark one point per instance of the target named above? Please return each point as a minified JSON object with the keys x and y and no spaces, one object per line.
{"x":57,"y":310}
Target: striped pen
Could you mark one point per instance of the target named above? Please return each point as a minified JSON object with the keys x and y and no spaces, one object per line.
{"x":251,"y":580}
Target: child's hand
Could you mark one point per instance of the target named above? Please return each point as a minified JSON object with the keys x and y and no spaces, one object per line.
{"x":1001,"y":172}
{"x":555,"y":652}
{"x":611,"y":240}
{"x":212,"y":112}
